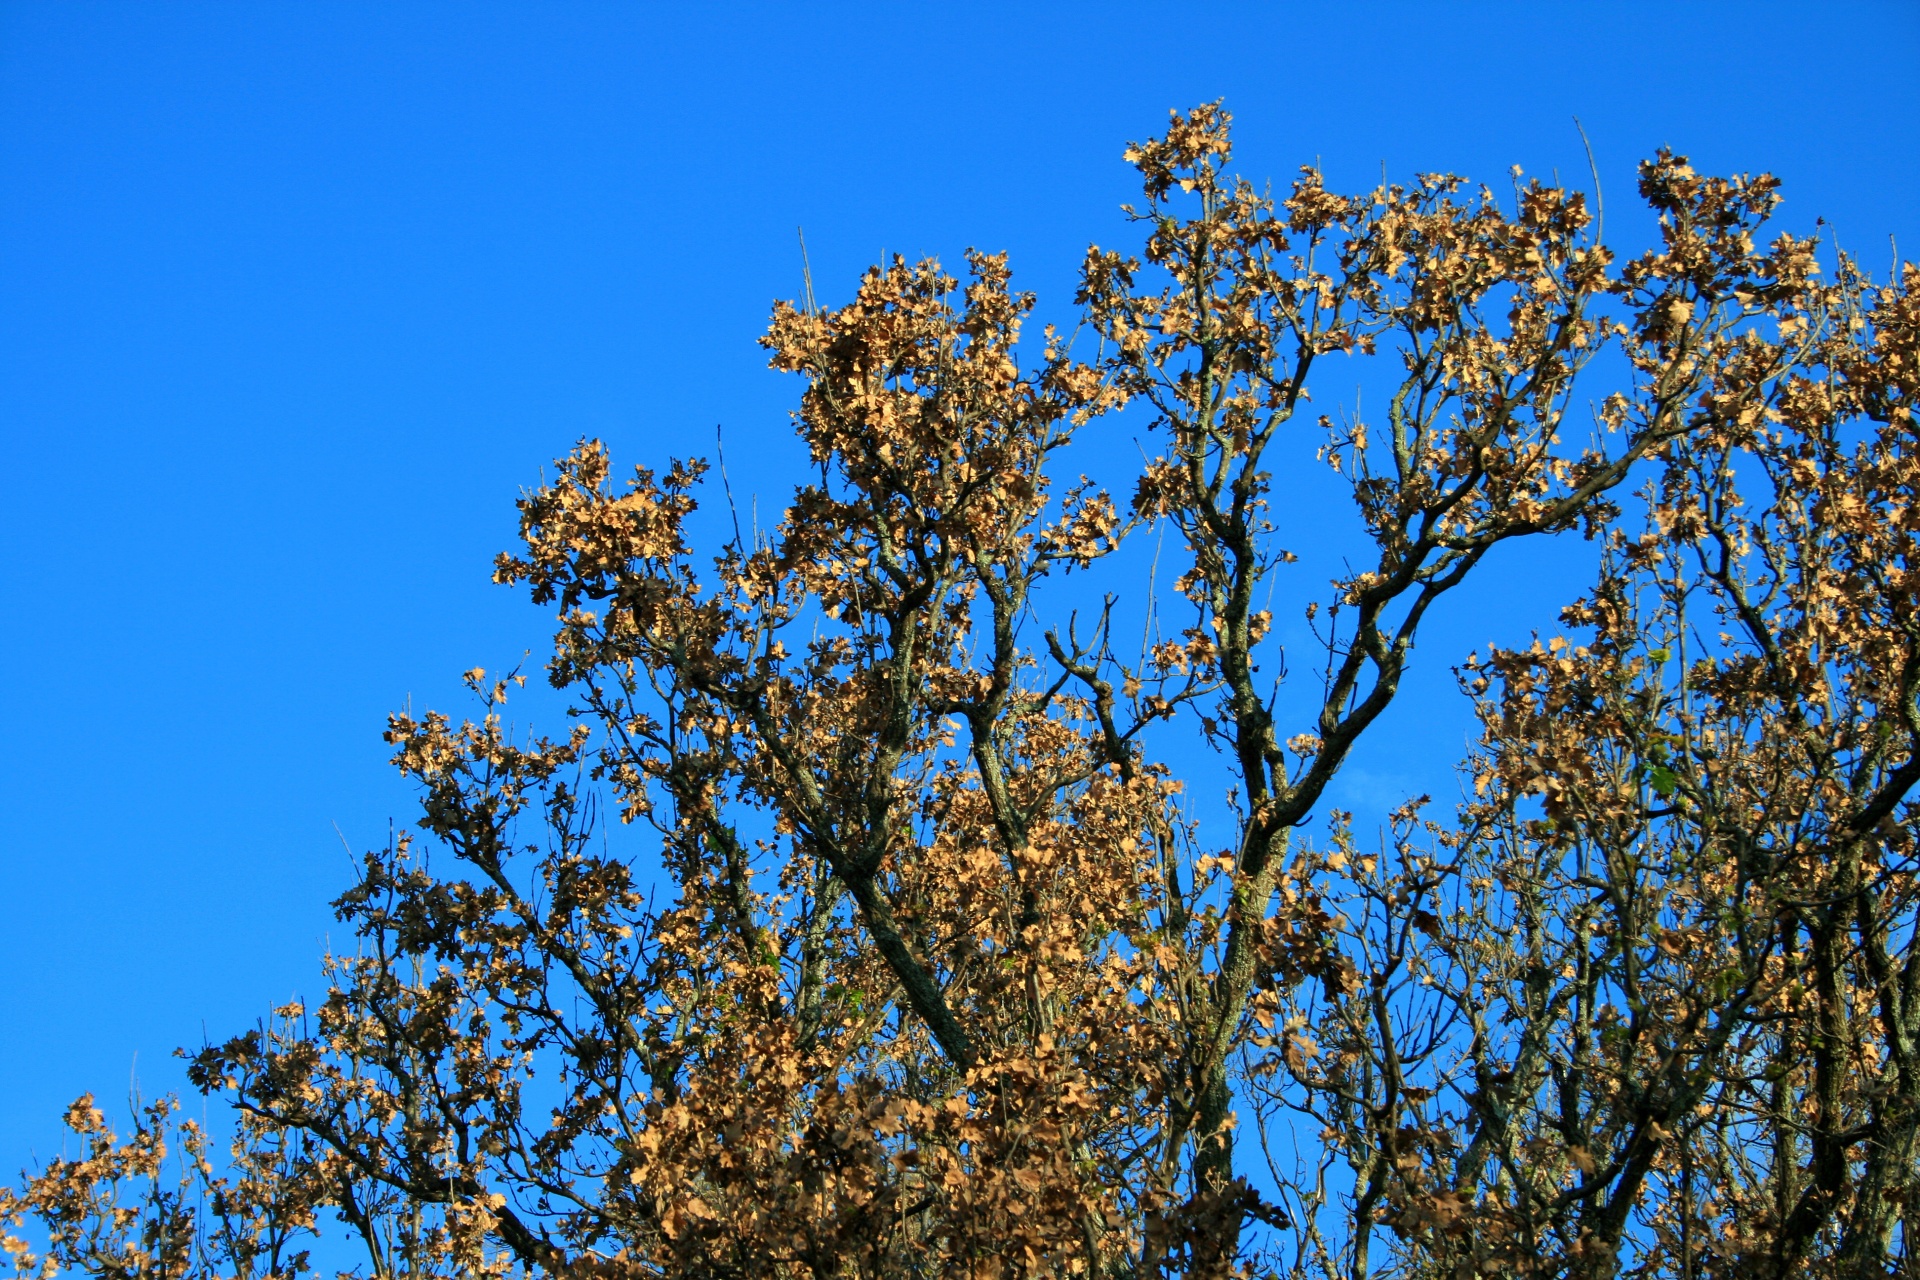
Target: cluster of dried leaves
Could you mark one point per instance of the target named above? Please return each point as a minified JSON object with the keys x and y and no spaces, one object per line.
{"x":944,"y":977}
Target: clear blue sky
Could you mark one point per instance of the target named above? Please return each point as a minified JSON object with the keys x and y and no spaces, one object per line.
{"x":295,"y":297}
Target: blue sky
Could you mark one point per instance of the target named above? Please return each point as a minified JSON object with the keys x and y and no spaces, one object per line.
{"x":294,"y":298}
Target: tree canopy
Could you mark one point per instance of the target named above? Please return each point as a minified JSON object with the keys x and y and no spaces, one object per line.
{"x":941,"y":973}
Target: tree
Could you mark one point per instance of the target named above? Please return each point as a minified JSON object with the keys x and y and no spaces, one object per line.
{"x":946,"y":977}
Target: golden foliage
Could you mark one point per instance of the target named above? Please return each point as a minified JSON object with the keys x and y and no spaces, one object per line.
{"x":945,"y":978}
